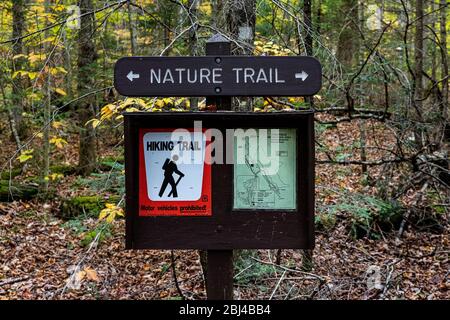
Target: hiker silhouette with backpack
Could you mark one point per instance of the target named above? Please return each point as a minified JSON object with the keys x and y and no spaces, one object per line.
{"x":170,"y":168}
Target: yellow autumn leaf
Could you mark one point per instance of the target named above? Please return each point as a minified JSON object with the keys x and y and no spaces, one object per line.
{"x":17,"y":56}
{"x":60,"y":91}
{"x":19,"y":73}
{"x":107,"y":111}
{"x":103,"y":214}
{"x":80,"y":275}
{"x":57,"y":124}
{"x":159,"y":103}
{"x":111,"y":216}
{"x":25,"y":155}
{"x":36,"y":57}
{"x":49,"y":39}
{"x":55,"y":176}
{"x":110,"y":212}
{"x":95,"y":122}
{"x":59,"y":7}
{"x":61,"y":69}
{"x":58,"y":142}
{"x":132,"y":109}
{"x":179,"y":101}
{"x":167,"y":101}
{"x":126,"y":103}
{"x":91,"y":274}
{"x":32,"y":75}
{"x":120,"y":212}
{"x":140,"y":102}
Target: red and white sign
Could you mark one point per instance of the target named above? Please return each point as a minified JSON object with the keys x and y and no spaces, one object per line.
{"x":174,"y":178}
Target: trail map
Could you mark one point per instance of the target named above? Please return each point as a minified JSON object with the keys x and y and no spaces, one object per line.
{"x":256,"y":187}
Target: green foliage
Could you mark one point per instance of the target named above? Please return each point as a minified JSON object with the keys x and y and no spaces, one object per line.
{"x":10,"y":174}
{"x":78,"y":226}
{"x":325,"y":221}
{"x":84,"y":206}
{"x":368,"y":215}
{"x":113,"y":181}
{"x":104,"y":230}
{"x":17,"y":191}
{"x":248,"y":270}
{"x":75,"y":225}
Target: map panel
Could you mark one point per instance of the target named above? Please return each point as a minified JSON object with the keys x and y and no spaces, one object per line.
{"x":256,"y":184}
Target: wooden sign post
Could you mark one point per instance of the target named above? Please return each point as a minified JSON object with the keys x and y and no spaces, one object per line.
{"x":219,"y":270}
{"x":218,"y":206}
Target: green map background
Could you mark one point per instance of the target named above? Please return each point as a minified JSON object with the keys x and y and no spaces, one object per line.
{"x":253,"y":189}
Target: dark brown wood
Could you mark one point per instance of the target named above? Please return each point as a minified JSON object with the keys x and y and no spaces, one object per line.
{"x":219,"y":275}
{"x":130,"y":179}
{"x":219,"y":269}
{"x":226,"y":228}
{"x":234,"y":76}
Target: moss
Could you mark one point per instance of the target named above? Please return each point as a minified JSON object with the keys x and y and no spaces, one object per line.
{"x":108,"y":163}
{"x":85,"y":205}
{"x":325,"y":221}
{"x":63,"y":169}
{"x":15,"y":191}
{"x":7,"y":174}
{"x":118,"y":159}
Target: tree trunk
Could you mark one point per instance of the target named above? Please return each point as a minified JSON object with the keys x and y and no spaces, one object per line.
{"x":445,"y":82}
{"x":193,"y":43}
{"x":361,"y":122}
{"x":132,"y":29}
{"x":241,"y":20}
{"x":165,"y":10}
{"x":418,"y":69}
{"x":307,"y":255}
{"x":86,"y":107}
{"x":319,"y":17}
{"x":307,"y":18}
{"x":348,"y":42}
{"x":47,"y":107}
{"x":218,"y":15}
{"x":18,"y":23}
{"x":418,"y":56}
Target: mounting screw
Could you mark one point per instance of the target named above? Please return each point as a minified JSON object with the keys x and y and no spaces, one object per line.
{"x":218,"y":90}
{"x":218,"y":60}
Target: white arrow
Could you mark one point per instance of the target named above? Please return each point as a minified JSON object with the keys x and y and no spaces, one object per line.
{"x":132,"y":76}
{"x":301,"y":75}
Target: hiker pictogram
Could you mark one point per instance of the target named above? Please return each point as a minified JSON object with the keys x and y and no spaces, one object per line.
{"x":173,"y":182}
{"x":170,"y":168}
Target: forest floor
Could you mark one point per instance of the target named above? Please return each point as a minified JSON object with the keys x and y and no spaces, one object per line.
{"x":43,"y":256}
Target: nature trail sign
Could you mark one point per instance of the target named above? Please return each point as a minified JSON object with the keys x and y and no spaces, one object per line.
{"x":218,"y":76}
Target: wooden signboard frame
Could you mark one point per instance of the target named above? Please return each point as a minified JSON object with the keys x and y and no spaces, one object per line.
{"x":227,"y":228}
{"x":218,"y":75}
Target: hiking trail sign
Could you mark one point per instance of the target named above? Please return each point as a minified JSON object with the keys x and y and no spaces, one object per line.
{"x":169,"y":185}
{"x":217,"y":76}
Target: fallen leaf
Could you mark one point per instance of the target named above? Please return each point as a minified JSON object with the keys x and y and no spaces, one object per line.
{"x":91,"y":274}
